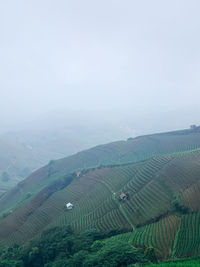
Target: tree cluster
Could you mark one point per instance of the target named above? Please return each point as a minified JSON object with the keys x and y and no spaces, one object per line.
{"x":60,"y":247}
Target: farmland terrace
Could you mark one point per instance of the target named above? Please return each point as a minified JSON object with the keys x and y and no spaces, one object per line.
{"x":161,"y":184}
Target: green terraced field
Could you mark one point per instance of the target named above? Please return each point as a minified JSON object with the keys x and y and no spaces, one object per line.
{"x":159,"y":235}
{"x":161,"y":211}
{"x":150,"y":186}
{"x":188,"y":236}
{"x":133,"y":150}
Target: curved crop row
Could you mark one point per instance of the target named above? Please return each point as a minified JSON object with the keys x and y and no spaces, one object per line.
{"x":191,"y":197}
{"x":188,"y":237}
{"x":159,"y":235}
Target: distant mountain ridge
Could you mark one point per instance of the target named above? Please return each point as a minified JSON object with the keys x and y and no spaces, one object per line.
{"x":24,"y":151}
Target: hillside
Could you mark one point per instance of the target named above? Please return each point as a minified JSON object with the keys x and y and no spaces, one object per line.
{"x":55,"y":136}
{"x":132,"y":150}
{"x":160,"y":202}
{"x":160,"y":175}
{"x":18,"y":159}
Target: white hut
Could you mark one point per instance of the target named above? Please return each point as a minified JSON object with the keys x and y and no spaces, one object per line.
{"x":69,"y":206}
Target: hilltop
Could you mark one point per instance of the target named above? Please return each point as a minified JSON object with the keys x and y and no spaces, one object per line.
{"x":159,"y":175}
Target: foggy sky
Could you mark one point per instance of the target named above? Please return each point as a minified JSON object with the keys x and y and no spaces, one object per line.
{"x":98,"y":55}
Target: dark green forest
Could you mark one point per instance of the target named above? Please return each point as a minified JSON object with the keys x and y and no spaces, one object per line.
{"x":58,"y":247}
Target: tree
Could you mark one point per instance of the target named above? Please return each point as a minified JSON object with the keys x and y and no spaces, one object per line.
{"x":150,"y":254}
{"x":115,"y":254}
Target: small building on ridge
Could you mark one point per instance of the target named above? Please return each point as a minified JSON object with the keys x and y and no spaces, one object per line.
{"x":123,"y":196}
{"x":78,"y":174}
{"x":69,"y":206}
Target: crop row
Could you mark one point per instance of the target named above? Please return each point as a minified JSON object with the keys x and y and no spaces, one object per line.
{"x":116,"y":177}
{"x":84,"y":219}
{"x":145,"y":174}
{"x":183,"y":171}
{"x":191,"y":197}
{"x":151,"y":201}
{"x":159,"y":235}
{"x":188,"y":236}
{"x":111,"y":220}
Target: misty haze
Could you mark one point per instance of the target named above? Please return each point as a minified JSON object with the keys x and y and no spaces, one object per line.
{"x":99,"y":133}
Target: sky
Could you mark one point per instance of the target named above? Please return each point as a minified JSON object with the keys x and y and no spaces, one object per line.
{"x":109,"y":56}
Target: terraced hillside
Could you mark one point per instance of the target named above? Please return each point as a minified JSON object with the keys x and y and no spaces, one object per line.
{"x":159,"y":211}
{"x":161,"y":183}
{"x":132,"y":150}
{"x":159,"y":235}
